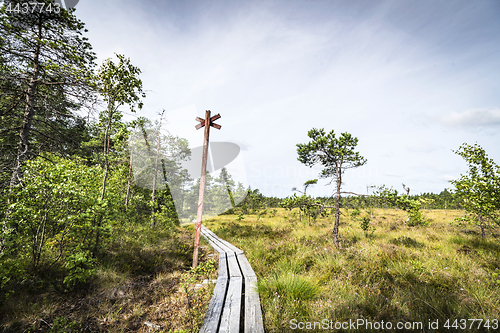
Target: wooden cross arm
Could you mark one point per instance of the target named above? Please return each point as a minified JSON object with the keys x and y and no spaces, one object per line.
{"x":202,"y":122}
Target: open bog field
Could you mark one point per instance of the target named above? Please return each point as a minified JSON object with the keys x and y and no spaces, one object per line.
{"x":392,"y":274}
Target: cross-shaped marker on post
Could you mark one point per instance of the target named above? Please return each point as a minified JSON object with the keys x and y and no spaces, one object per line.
{"x":207,"y":122}
{"x":202,"y":121}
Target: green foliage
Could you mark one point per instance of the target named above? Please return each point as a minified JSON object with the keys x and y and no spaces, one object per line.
{"x":53,"y":214}
{"x":480,"y":186}
{"x":55,"y":206}
{"x":79,"y":266}
{"x":405,"y":202}
{"x":335,"y":155}
{"x":45,"y":75}
{"x":496,"y":278}
{"x":355,"y":213}
{"x":63,"y":218}
{"x":65,"y":325}
{"x":365,"y":223}
{"x":406,"y":241}
{"x":302,"y":202}
{"x":119,"y":83}
{"x":197,"y":298}
{"x":204,"y":269}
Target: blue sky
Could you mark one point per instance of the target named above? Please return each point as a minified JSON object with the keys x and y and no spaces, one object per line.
{"x":411,"y":79}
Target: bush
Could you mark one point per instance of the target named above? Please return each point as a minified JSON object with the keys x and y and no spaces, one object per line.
{"x":57,"y":218}
{"x":365,"y":223}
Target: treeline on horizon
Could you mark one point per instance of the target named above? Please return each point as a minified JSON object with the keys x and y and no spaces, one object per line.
{"x":443,"y":200}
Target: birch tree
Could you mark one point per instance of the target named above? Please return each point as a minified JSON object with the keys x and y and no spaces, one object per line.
{"x":480,"y":186}
{"x":119,"y":85}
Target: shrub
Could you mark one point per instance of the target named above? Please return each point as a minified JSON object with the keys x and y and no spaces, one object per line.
{"x":365,"y":223}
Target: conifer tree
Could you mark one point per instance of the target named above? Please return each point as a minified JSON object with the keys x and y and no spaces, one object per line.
{"x":46,"y":74}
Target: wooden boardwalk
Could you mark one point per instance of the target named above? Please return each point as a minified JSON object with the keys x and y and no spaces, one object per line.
{"x":235,"y":305}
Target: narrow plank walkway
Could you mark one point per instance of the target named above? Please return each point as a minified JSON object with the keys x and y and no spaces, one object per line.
{"x":235,"y":305}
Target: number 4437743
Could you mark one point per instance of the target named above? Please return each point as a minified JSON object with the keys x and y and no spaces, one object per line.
{"x":471,"y":323}
{"x":33,"y":7}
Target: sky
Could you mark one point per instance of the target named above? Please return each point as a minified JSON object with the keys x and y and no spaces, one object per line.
{"x":412,"y":80}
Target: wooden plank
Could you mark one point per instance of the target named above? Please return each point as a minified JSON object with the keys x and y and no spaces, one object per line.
{"x":246,"y":268}
{"x":253,"y":314}
{"x":216,"y":125}
{"x":222,"y":243}
{"x":235,"y":269}
{"x":232,"y":263}
{"x":214,"y":245}
{"x":214,"y":312}
{"x":231,"y":313}
{"x":218,"y":242}
{"x":223,"y":271}
{"x":231,"y":246}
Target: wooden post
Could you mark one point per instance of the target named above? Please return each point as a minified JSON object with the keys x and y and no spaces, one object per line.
{"x":207,"y":122}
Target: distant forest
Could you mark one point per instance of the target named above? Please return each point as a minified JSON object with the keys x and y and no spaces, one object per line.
{"x":444,"y":200}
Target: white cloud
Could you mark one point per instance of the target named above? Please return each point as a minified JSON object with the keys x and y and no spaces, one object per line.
{"x":472,"y":118}
{"x":388,"y":174}
{"x":274,"y":70}
{"x":427,"y":148}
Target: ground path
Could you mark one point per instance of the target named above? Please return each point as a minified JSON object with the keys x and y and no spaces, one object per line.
{"x":235,"y":305}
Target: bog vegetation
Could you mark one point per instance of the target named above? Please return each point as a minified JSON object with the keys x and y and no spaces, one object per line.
{"x":387,"y":270}
{"x":89,"y":243}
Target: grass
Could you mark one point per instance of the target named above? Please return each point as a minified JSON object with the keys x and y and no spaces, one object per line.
{"x":144,"y":276}
{"x":391,"y":272}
